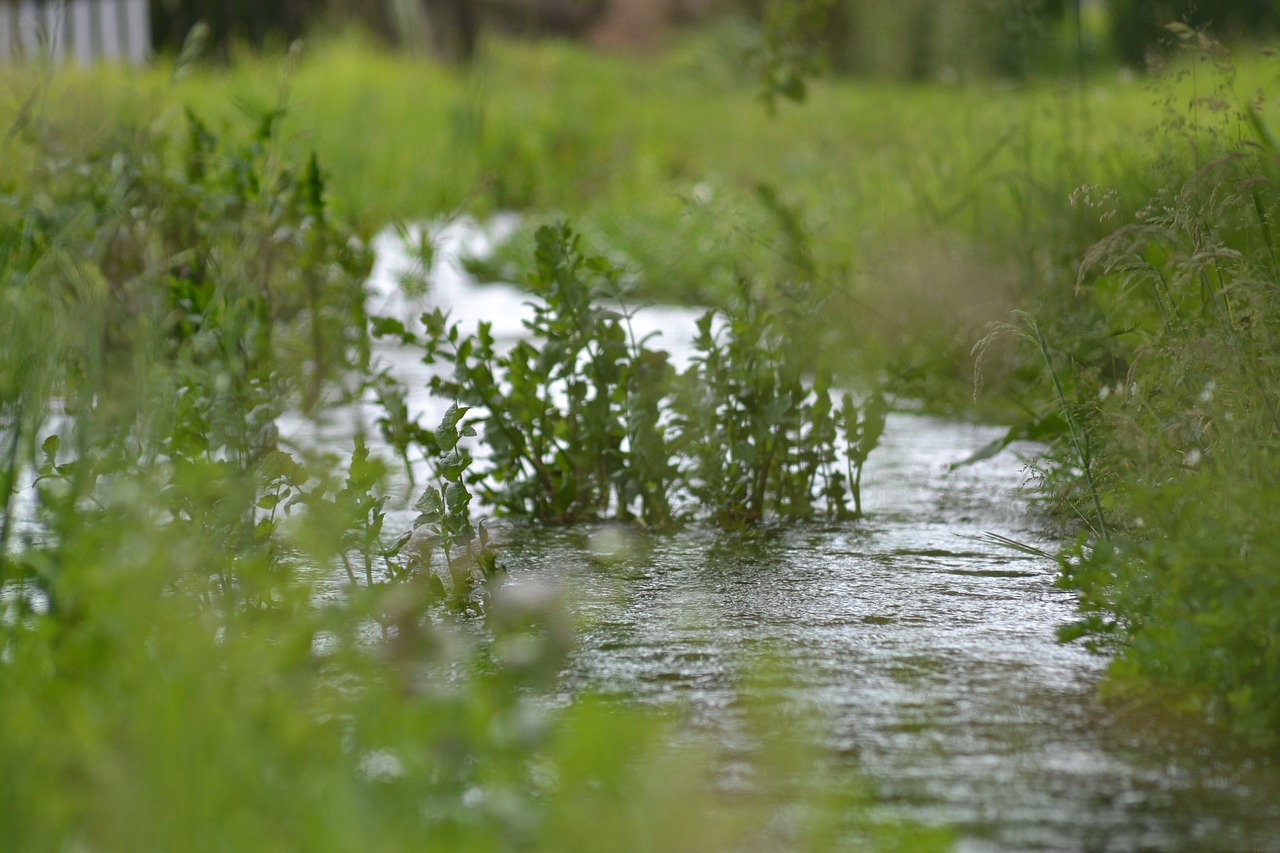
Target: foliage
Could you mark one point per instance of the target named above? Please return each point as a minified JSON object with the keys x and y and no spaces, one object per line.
{"x":169,"y":301}
{"x":583,"y":420}
{"x":570,"y":424}
{"x":759,"y":437}
{"x":658,"y":164}
{"x":789,"y":52}
{"x":1164,"y":372}
{"x":208,"y":640}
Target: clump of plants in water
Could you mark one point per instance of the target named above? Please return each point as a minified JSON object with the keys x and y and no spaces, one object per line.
{"x":582,"y":420}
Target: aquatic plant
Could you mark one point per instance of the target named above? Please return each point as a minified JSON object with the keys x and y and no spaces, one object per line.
{"x":583,"y":420}
{"x":762,"y":436}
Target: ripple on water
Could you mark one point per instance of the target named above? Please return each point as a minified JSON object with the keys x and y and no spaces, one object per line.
{"x":927,"y":651}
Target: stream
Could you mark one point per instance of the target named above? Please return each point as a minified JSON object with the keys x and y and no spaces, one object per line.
{"x":925,"y":650}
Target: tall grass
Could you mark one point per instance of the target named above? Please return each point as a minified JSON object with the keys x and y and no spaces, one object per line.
{"x":1165,"y":360}
{"x":932,"y":206}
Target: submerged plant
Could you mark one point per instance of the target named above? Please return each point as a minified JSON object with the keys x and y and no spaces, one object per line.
{"x":570,"y":424}
{"x":755,"y":416}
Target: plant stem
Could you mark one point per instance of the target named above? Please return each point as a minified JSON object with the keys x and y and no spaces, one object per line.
{"x":1078,"y":437}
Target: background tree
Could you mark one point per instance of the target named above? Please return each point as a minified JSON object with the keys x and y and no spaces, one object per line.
{"x":1138,"y":26}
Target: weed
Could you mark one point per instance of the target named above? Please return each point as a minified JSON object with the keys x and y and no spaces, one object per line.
{"x":583,"y":420}
{"x":1170,"y":411}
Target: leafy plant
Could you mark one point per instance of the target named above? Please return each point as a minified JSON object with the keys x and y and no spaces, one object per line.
{"x":178,"y":294}
{"x":444,"y":519}
{"x":582,"y":420}
{"x":571,"y":426}
{"x":760,"y":437}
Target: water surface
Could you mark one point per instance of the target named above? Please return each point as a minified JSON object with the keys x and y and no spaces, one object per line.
{"x":925,"y":651}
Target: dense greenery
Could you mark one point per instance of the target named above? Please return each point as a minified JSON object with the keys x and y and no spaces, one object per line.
{"x":208,"y":637}
{"x":1167,"y":370}
{"x":173,"y":290}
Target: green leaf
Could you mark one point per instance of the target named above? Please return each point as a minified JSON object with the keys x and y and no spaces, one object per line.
{"x":431,"y":503}
{"x":390,"y":327}
{"x":456,"y":497}
{"x":396,"y":547}
{"x":447,"y":431}
{"x":453,"y":464}
{"x":278,"y":465}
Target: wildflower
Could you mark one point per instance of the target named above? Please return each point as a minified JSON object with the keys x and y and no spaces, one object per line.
{"x":1192,"y":457}
{"x":1206,"y":394}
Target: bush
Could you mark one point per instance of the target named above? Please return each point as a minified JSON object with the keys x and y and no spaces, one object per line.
{"x":583,"y":420}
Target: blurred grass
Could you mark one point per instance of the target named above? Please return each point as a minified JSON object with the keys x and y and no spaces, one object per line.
{"x":936,"y":208}
{"x":550,"y":127}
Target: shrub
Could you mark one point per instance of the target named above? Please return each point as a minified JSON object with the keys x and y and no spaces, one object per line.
{"x":583,"y":420}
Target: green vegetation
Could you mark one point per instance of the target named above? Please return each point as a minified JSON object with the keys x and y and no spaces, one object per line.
{"x":584,"y":419}
{"x":670,"y":180}
{"x":1167,"y":368}
{"x":174,"y":283}
{"x":182,"y":663}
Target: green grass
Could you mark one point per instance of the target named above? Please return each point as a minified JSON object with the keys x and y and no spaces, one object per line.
{"x":933,"y":209}
{"x":621,"y":145}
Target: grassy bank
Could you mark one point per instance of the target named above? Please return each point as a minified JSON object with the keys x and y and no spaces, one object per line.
{"x":1164,"y":370}
{"x":935,"y":207}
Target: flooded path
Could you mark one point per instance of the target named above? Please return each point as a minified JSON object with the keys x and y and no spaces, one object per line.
{"x":925,"y":651}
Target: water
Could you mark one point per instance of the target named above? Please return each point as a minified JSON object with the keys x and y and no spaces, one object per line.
{"x":925,"y":650}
